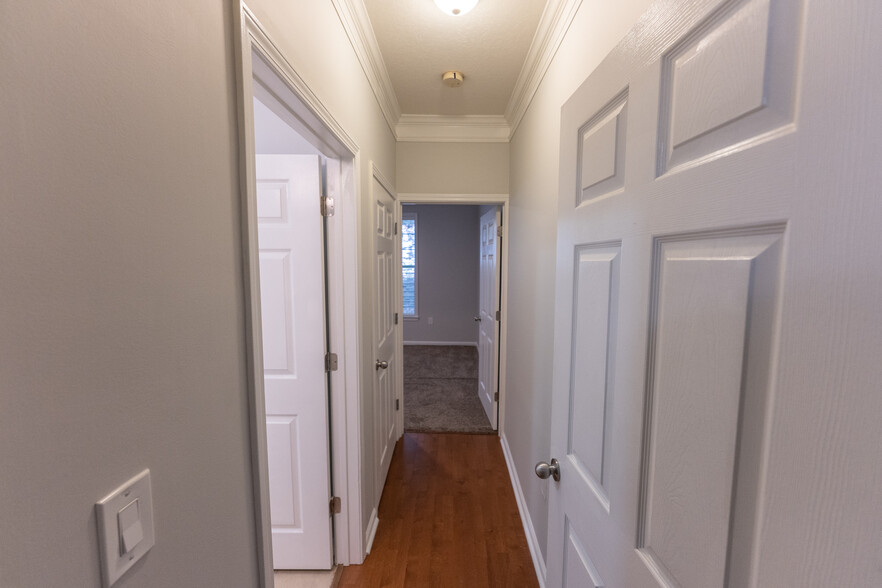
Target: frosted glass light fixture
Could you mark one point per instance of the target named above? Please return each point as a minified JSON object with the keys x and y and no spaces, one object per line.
{"x":456,"y":7}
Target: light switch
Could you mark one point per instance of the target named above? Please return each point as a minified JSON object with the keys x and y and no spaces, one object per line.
{"x":125,"y":527}
{"x":131,"y":532}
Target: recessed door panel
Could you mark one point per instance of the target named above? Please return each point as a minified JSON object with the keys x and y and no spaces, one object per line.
{"x":706,"y":293}
{"x":579,"y":569}
{"x":595,"y":302}
{"x":283,"y":443}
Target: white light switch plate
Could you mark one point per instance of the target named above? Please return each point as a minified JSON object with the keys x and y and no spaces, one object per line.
{"x":114,"y":563}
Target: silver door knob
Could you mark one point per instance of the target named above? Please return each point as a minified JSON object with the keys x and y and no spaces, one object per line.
{"x":543,"y":470}
{"x":381,"y":365}
{"x":477,"y":319}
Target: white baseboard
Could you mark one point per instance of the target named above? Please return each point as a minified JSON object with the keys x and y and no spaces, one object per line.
{"x":373,"y":523}
{"x":529,"y":531}
{"x":461,"y":343}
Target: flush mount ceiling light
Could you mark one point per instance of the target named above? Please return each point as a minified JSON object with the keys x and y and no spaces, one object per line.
{"x":456,"y":7}
{"x":452,"y":78}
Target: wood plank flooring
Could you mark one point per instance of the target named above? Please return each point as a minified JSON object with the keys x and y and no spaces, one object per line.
{"x":448,"y":517}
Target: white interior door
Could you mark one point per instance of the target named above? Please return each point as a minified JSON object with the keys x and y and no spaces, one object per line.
{"x":293,"y":319}
{"x":488,"y":352}
{"x":716,"y":398}
{"x":385,"y":363}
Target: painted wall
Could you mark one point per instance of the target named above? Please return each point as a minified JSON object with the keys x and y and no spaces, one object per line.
{"x":122,"y":339}
{"x":596,"y":29}
{"x":453,"y":168}
{"x":448,"y":265}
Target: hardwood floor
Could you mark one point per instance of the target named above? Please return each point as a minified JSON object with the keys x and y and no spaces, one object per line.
{"x":448,"y":517}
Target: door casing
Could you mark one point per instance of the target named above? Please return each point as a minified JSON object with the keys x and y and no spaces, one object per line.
{"x":501,"y":200}
{"x":258,"y":58}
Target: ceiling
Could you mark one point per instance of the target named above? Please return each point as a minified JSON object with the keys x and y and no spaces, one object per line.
{"x":489,"y":44}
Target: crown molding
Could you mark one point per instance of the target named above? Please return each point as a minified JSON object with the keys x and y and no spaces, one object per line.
{"x":436,"y":128}
{"x":553,"y":26}
{"x":357,"y":24}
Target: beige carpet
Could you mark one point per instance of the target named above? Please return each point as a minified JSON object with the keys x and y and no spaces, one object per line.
{"x":441,"y":390}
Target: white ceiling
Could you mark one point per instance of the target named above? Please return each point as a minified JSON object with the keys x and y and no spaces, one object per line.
{"x":418,"y":43}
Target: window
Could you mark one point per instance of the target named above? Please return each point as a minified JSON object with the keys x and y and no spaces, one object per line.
{"x":409,"y":264}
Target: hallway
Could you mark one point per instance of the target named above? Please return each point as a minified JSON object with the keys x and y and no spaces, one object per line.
{"x":448,"y":517}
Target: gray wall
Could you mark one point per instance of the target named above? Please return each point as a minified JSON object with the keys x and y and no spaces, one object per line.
{"x":448,"y":261}
{"x":121,"y":305}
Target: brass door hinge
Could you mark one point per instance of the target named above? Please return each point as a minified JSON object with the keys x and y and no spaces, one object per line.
{"x":335,"y":505}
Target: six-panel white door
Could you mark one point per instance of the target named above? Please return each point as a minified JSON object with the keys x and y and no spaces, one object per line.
{"x":386,"y":288}
{"x":293,"y":319}
{"x":488,"y":305}
{"x":716,"y":398}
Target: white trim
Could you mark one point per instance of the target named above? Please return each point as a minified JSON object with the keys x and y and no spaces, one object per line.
{"x":443,"y":343}
{"x":434,"y":128}
{"x":485,"y":199}
{"x":553,"y":26}
{"x":357,"y":24}
{"x":258,"y":38}
{"x":373,"y":523}
{"x":529,"y":531}
{"x":278,"y":77}
{"x":415,"y":198}
{"x":431,"y":128}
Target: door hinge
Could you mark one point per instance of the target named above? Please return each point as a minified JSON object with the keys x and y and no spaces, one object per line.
{"x":396,"y":228}
{"x":497,"y":315}
{"x":327,"y":206}
{"x":396,"y":318}
{"x":397,"y":403}
{"x":335,"y":505}
{"x":330,"y":362}
{"x":496,"y":397}
{"x":499,"y":231}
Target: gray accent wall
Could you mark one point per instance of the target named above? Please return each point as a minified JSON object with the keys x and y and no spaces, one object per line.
{"x":448,"y":260}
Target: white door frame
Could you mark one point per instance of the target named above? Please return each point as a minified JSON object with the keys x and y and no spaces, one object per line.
{"x":323,"y":131}
{"x":501,"y":200}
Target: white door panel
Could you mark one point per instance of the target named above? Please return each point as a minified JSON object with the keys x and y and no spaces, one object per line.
{"x":385,"y":301}
{"x":718,"y":270}
{"x":292,"y":317}
{"x":488,"y":327}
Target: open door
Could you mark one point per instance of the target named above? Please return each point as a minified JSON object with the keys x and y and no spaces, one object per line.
{"x":717,"y":335}
{"x":386,"y":295}
{"x":293,"y":319}
{"x":488,"y":324}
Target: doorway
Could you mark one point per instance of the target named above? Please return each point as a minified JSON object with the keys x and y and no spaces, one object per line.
{"x":453,"y":312}
{"x":271,"y":92}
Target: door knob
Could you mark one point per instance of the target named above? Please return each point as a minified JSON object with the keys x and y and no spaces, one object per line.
{"x":543,"y":470}
{"x":381,"y":365}
{"x":477,"y":319}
